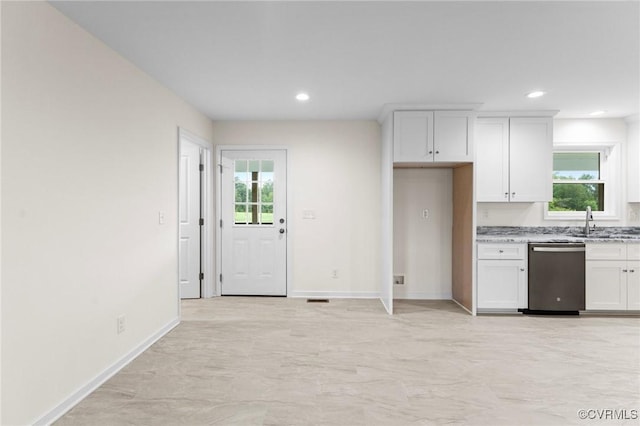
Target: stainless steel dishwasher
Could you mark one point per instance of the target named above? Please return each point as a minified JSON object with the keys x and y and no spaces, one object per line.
{"x":556,"y":278}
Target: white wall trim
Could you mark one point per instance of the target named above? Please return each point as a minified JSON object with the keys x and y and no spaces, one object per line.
{"x":335,"y":294}
{"x":399,"y":295}
{"x":388,"y":108}
{"x":73,"y":399}
{"x":208,"y":286}
{"x":516,"y":114}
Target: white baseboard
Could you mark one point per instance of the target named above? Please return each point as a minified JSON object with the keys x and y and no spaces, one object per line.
{"x":421,"y":296}
{"x":335,"y":294}
{"x":66,"y":405}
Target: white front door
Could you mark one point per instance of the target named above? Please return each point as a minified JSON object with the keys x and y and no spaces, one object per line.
{"x":254,"y":222}
{"x":189,"y":216}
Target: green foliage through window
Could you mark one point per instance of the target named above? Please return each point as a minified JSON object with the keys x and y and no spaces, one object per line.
{"x":576,"y":182}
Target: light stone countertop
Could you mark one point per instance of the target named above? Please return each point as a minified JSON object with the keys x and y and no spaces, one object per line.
{"x":512,"y":234}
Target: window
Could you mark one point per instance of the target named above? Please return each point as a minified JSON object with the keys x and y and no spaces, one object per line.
{"x":254,"y":192}
{"x":576,"y":182}
{"x":583,"y":176}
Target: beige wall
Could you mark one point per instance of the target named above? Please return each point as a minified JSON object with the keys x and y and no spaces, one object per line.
{"x":335,"y":171}
{"x":89,"y":158}
{"x":422,"y":246}
{"x":576,"y":131}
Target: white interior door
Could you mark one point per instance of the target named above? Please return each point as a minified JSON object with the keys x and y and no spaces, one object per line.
{"x":189,"y":216}
{"x":254,"y":223}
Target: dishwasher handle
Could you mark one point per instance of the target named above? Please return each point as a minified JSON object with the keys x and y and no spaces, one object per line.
{"x":558,"y":249}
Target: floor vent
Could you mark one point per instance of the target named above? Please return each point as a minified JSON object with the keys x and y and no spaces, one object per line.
{"x":317,"y":300}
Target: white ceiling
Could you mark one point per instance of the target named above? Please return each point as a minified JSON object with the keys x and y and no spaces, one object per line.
{"x":247,"y":60}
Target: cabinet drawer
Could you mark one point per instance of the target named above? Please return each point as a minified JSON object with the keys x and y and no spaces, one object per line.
{"x":501,"y":251}
{"x":606,"y":251}
{"x":633,"y":251}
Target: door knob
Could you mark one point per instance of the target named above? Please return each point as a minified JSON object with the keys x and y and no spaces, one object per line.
{"x":281,"y":220}
{"x":282,"y":230}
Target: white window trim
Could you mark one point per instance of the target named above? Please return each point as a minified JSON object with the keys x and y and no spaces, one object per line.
{"x":610,"y":173}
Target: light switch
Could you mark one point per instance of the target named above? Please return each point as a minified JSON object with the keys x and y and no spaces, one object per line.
{"x":308,"y":214}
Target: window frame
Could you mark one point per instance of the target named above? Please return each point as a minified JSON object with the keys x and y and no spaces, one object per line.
{"x":609,"y":176}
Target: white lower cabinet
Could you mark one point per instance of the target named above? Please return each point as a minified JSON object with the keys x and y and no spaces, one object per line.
{"x":502,"y":276}
{"x":612,"y":277}
{"x":606,"y":285}
{"x":633,"y":285}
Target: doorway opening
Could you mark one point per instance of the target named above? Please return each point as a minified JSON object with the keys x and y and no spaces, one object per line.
{"x":195,"y":216}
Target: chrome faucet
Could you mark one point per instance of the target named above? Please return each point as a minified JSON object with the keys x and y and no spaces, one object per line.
{"x":587,"y":228}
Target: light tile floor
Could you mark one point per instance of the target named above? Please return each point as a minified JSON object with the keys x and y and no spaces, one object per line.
{"x":281,"y":361}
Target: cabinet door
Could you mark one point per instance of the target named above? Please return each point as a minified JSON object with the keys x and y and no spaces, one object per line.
{"x":499,"y":283}
{"x":606,"y":285}
{"x":633,"y":285}
{"x":412,"y":136}
{"x":492,"y":159}
{"x":499,"y":251}
{"x":453,"y":136}
{"x":605,"y":251}
{"x":530,"y":159}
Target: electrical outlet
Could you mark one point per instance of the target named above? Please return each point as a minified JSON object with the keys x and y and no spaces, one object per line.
{"x":334,"y":273}
{"x":485,"y":213}
{"x":120,"y":324}
{"x":398,"y":279}
{"x":634,"y":214}
{"x":161,"y":217}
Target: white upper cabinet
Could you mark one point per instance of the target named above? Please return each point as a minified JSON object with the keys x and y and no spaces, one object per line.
{"x":531,"y":159}
{"x":514,"y":159}
{"x":412,"y":136}
{"x":492,"y":159}
{"x":427,"y":136}
{"x":453,"y":136}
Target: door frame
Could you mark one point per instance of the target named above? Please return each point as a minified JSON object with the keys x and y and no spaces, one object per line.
{"x":206,"y":191}
{"x":219,"y":149}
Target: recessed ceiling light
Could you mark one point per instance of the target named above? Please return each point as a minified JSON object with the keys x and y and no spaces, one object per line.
{"x":599,"y":112}
{"x":535,"y":94}
{"x":302,"y":96}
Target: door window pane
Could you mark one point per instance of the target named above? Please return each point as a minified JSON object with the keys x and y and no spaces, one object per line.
{"x":253,"y":192}
{"x":266,"y":214}
{"x":254,"y":166}
{"x":240,"y":213}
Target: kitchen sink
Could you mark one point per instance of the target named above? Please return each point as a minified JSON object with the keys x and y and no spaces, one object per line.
{"x":581,"y":235}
